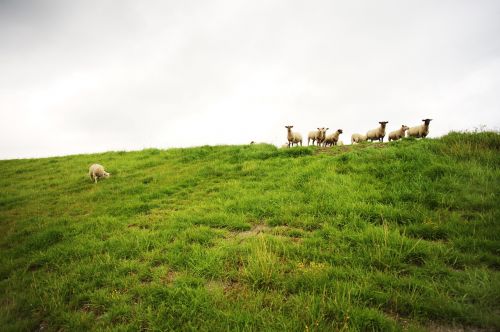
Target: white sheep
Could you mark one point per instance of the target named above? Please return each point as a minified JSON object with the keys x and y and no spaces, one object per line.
{"x":293,"y":137}
{"x":397,"y":134}
{"x":333,"y":138}
{"x":97,"y":171}
{"x":377,"y":133}
{"x":317,"y":136}
{"x":420,"y":131}
{"x":358,"y":138}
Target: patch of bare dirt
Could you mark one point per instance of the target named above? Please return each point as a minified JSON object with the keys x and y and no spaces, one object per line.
{"x":436,"y":327}
{"x":255,"y":230}
{"x":170,"y":277}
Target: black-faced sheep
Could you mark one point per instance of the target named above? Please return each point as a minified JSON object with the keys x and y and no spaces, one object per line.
{"x":420,"y":131}
{"x":333,"y":138}
{"x":377,"y":133}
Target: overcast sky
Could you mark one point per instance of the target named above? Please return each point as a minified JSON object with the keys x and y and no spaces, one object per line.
{"x":91,"y":76}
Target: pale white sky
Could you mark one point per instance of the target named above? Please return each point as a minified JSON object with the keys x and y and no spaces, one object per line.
{"x":92,"y":76}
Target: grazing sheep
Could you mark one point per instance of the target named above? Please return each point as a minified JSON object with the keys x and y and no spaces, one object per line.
{"x":317,"y":136}
{"x":333,"y":138}
{"x":420,"y":131}
{"x":358,"y":138}
{"x":293,"y":137}
{"x":397,"y":134}
{"x":377,"y":133}
{"x":97,"y":171}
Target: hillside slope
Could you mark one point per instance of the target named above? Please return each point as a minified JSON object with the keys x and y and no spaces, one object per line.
{"x":404,"y":235}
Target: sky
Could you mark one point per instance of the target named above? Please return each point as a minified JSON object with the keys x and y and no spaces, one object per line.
{"x":93,"y":76}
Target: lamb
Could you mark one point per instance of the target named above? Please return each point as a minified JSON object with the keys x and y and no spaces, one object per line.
{"x":317,"y":136}
{"x":333,"y":138}
{"x":358,"y":138}
{"x":397,"y":134}
{"x":420,"y":131}
{"x":293,"y":137}
{"x":97,"y":171}
{"x":377,"y":133}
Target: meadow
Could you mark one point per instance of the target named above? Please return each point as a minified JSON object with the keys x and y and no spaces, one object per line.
{"x":373,"y":237}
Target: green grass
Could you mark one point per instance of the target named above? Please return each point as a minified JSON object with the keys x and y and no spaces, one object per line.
{"x":398,"y":236}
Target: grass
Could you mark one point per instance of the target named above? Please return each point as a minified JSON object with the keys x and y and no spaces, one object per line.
{"x":397,"y":236}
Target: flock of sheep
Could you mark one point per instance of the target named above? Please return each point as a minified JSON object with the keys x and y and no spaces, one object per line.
{"x":320,"y":137}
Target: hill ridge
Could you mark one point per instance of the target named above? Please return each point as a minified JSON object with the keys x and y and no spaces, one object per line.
{"x":390,"y":236}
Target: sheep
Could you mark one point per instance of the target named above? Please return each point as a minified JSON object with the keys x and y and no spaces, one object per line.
{"x":333,"y":138}
{"x":317,"y":136}
{"x":97,"y":171}
{"x":340,"y":143}
{"x":420,"y":131}
{"x":358,"y":138}
{"x":397,"y":134}
{"x":377,"y":133}
{"x":293,"y":137}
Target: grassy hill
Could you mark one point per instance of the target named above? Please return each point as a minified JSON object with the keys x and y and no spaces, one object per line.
{"x":397,"y":236}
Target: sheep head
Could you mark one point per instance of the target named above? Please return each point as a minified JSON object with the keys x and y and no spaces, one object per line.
{"x":405,"y":128}
{"x":339,"y":131}
{"x":427,"y":121}
{"x":383,"y":123}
